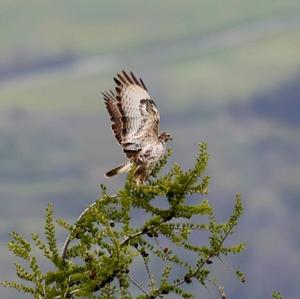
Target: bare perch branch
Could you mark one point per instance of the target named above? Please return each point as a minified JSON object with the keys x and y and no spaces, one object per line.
{"x":68,"y":240}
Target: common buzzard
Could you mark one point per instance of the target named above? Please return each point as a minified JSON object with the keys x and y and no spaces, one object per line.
{"x":135,"y":125}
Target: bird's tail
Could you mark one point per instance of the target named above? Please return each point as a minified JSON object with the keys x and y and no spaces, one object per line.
{"x":120,"y":169}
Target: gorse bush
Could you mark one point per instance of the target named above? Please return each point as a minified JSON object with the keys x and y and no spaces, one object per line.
{"x":109,"y":254}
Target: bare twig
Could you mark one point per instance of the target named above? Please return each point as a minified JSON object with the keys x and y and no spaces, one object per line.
{"x":219,"y":288}
{"x":68,"y":240}
{"x":151,"y":282}
{"x":127,"y":240}
{"x":138,"y":286}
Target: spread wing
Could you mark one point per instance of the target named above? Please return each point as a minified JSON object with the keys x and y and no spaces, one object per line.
{"x":133,"y":113}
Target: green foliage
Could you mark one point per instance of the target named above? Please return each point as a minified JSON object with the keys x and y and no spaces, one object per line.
{"x":106,"y":243}
{"x":276,"y":295}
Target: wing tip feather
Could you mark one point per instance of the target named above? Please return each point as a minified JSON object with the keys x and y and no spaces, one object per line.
{"x":119,"y":83}
{"x":123,"y":78}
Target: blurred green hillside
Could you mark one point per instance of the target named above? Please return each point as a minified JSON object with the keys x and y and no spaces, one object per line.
{"x":224,"y":49}
{"x":95,"y":27}
{"x":205,"y":63}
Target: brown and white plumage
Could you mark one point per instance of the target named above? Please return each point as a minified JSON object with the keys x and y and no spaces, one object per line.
{"x":135,"y":125}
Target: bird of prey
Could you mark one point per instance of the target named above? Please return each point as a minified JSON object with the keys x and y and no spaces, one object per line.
{"x":135,"y":125}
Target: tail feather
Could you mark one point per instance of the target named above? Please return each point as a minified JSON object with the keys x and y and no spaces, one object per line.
{"x":120,"y":169}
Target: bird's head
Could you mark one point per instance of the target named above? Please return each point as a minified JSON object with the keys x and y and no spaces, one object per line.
{"x":165,"y":137}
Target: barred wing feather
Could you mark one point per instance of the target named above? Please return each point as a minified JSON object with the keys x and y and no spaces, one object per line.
{"x":133,"y":113}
